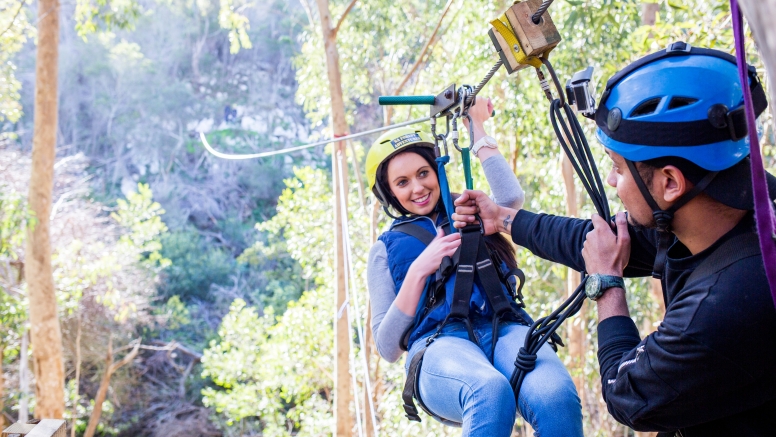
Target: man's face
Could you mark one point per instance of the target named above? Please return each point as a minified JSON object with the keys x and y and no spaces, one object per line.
{"x":620,"y":177}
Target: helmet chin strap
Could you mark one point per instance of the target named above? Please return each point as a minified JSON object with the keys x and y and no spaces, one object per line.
{"x":664,"y":217}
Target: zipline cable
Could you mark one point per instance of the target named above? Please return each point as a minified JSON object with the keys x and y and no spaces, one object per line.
{"x":356,"y":313}
{"x":484,"y":81}
{"x":221,"y":155}
{"x":537,"y":16}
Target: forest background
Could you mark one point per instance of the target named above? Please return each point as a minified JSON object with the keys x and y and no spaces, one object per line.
{"x":215,"y":276}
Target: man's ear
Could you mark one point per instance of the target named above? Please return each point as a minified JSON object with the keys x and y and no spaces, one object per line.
{"x":672,"y":183}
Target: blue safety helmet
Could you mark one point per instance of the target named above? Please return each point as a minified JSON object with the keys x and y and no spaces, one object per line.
{"x":683,"y":102}
{"x":688,"y":103}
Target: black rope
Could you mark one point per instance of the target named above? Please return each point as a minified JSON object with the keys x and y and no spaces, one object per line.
{"x":573,"y":142}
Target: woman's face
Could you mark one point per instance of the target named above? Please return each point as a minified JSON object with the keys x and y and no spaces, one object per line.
{"x":413,"y":183}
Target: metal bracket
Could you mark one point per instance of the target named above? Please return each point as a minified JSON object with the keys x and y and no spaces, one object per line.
{"x":444,"y":101}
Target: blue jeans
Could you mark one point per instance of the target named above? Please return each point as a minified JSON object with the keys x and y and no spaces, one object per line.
{"x":458,"y":383}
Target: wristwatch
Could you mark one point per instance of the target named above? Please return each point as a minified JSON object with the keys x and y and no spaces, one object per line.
{"x":596,"y":284}
{"x":486,"y":141}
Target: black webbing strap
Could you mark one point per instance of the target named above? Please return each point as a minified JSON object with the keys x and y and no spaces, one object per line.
{"x":464,"y":280}
{"x":491,"y":283}
{"x":410,"y":410}
{"x":416,"y":231}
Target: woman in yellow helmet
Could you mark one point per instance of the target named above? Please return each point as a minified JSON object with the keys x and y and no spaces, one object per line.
{"x":460,"y":382}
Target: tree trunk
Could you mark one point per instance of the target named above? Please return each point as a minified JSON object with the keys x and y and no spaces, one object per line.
{"x":342,"y":378}
{"x":2,"y":389}
{"x":45,"y":333}
{"x":24,"y":379}
{"x":77,"y":375}
{"x":759,"y":14}
{"x":576,"y":325}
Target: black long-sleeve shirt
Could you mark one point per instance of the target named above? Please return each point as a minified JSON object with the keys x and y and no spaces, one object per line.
{"x":710,"y":368}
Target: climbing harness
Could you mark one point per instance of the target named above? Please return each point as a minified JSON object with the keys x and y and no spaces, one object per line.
{"x":763,"y":207}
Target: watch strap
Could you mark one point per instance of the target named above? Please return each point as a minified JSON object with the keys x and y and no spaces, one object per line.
{"x":486,"y":141}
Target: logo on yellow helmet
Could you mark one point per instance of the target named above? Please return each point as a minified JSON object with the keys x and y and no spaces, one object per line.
{"x":405,"y":139}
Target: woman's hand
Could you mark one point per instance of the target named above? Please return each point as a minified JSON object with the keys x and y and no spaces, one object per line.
{"x":429,"y":260}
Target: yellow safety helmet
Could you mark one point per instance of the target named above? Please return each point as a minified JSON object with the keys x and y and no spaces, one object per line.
{"x":389,"y":144}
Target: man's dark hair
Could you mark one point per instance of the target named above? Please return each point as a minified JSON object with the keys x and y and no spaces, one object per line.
{"x":691,"y":171}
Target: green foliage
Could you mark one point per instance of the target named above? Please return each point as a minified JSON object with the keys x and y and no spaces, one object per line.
{"x":281,"y":273}
{"x":302,"y":221}
{"x":277,"y":370}
{"x":230,"y":18}
{"x":141,"y":216}
{"x":193,"y":266}
{"x":93,"y":15}
{"x":13,"y":219}
{"x":175,"y":313}
{"x":114,"y":270}
{"x":15,"y":29}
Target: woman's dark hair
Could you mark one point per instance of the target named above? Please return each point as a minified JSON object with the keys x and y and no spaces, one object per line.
{"x":496,"y":243}
{"x":499,"y":244}
{"x":426,"y":153}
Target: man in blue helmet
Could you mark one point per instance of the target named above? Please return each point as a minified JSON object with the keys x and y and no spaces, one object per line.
{"x":673,"y":125}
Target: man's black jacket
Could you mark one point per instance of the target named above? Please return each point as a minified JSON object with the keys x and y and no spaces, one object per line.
{"x":710,"y":368}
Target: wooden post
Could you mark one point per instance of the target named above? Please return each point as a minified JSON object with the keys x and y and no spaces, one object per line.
{"x":45,"y":332}
{"x":342,"y":380}
{"x":44,"y":428}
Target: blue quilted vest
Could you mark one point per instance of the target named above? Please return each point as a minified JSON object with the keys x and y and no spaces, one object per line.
{"x":402,"y":250}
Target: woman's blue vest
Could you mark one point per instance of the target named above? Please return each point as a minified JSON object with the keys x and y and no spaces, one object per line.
{"x":402,"y":250}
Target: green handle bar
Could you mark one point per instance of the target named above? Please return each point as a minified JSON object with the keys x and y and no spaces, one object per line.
{"x":406,"y":100}
{"x":467,"y":168}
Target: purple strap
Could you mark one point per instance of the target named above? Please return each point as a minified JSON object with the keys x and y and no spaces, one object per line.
{"x":763,"y":208}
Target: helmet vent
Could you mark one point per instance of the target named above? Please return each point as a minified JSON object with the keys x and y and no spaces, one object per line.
{"x":679,"y":102}
{"x":646,"y":107}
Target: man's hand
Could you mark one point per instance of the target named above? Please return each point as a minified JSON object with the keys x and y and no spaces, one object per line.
{"x":604,"y":251}
{"x":493,"y":217}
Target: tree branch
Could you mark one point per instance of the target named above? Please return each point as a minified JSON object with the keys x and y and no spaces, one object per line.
{"x":425,"y":49}
{"x":10,"y":25}
{"x":342,"y":18}
{"x":110,"y":369}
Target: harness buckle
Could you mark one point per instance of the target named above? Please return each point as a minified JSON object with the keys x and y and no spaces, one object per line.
{"x":465,"y":268}
{"x":731,"y":118}
{"x":484,"y":264}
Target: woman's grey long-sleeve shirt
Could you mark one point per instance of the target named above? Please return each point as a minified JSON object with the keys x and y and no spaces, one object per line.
{"x":388,"y":321}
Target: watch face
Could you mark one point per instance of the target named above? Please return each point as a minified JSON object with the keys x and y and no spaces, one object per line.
{"x":593,"y":286}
